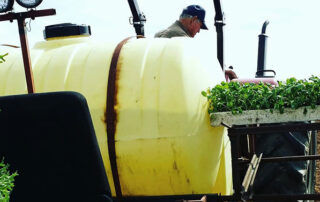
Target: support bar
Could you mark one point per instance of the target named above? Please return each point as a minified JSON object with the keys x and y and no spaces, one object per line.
{"x":286,"y":158}
{"x":138,"y":18}
{"x":219,"y":22}
{"x":29,"y":14}
{"x":20,"y":17}
{"x":275,"y":128}
{"x":26,"y":56}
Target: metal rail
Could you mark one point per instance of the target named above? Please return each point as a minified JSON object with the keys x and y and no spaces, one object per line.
{"x":262,"y":129}
{"x":283,"y":159}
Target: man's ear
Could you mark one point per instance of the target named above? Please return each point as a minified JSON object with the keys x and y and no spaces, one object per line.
{"x":194,"y":19}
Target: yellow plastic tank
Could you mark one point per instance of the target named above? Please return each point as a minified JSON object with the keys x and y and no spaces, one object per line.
{"x":164,"y":142}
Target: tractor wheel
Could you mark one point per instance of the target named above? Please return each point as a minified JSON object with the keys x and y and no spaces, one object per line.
{"x":289,"y":177}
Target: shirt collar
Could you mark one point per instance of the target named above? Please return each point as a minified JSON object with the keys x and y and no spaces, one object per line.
{"x":178,"y":23}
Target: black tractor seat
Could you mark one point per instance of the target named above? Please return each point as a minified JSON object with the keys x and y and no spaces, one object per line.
{"x":49,"y":140}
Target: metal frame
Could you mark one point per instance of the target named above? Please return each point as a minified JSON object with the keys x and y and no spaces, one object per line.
{"x":237,"y":162}
{"x":138,"y":18}
{"x":219,"y":22}
{"x":20,"y":17}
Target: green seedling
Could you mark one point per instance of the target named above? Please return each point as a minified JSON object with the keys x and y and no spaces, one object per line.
{"x":2,"y":58}
{"x":236,"y":97}
{"x":6,"y":182}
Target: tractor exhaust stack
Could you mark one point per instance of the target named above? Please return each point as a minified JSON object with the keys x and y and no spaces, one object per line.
{"x":262,"y":51}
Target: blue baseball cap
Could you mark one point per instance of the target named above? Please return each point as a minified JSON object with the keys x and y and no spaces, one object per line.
{"x":196,"y":10}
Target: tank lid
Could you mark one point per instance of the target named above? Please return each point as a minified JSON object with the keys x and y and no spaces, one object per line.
{"x":66,"y":29}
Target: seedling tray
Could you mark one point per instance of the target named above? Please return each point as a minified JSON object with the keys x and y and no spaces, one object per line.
{"x":265,"y":116}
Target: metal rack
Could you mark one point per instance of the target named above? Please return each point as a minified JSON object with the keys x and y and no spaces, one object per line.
{"x":235,"y":132}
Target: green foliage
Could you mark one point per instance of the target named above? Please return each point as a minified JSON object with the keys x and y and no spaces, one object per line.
{"x":6,"y":182}
{"x":2,"y":58}
{"x":236,"y":97}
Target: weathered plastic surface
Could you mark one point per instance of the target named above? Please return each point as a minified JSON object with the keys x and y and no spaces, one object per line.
{"x":265,"y":116}
{"x":164,"y":142}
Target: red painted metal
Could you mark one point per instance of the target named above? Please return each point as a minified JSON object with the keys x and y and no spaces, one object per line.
{"x":271,"y":81}
{"x":20,"y":17}
{"x":26,"y":55}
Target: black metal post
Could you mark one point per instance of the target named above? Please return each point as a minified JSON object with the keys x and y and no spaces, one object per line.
{"x":219,"y":22}
{"x":262,"y":51}
{"x":234,"y":141}
{"x":139,"y":18}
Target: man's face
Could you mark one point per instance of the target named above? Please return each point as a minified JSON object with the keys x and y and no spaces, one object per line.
{"x":194,"y":26}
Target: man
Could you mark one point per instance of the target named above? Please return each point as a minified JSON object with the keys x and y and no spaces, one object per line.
{"x":189,"y":24}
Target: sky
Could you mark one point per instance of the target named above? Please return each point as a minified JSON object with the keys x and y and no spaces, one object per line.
{"x":293,"y":42}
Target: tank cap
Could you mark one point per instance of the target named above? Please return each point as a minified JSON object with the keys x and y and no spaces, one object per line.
{"x":66,"y":29}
